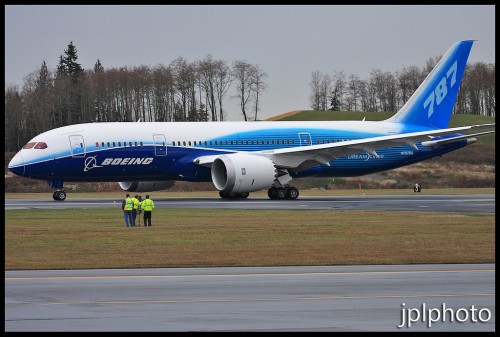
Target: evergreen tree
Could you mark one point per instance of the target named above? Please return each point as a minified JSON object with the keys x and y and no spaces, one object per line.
{"x":98,"y":92}
{"x":61,"y":67}
{"x":73,"y":68}
{"x":98,"y":68}
{"x":69,"y":82}
{"x":335,"y":102}
{"x":43,"y":78}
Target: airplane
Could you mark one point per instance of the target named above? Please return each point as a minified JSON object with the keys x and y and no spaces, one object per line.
{"x":243,"y":157}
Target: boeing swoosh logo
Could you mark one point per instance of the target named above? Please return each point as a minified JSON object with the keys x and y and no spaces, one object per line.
{"x":90,"y":163}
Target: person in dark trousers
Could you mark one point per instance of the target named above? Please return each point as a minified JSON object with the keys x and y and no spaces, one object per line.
{"x":127,"y":206}
{"x":135,"y":206}
{"x":147,"y":207}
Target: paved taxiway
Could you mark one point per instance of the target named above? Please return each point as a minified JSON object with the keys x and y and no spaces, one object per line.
{"x":323,"y":298}
{"x":412,"y":202}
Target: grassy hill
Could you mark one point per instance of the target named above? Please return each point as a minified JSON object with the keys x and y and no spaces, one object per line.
{"x":473,"y":166}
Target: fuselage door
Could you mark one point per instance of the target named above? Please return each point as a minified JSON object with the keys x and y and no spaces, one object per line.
{"x":160,"y":145}
{"x":305,"y":138}
{"x":77,"y":146}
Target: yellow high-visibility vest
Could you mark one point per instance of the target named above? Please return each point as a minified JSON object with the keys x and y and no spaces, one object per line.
{"x":135,"y":202}
{"x":148,"y":205}
{"x":128,"y":204}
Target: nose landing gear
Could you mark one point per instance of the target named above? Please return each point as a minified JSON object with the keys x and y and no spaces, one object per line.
{"x":59,"y":194}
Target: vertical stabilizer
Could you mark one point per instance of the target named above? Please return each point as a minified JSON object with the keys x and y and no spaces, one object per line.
{"x":432,"y":103}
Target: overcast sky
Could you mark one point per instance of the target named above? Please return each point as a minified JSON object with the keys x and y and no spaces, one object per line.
{"x":287,"y":42}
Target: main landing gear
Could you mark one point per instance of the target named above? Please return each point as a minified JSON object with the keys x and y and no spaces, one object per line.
{"x":274,"y":193}
{"x":226,"y":195}
{"x":283,"y":192}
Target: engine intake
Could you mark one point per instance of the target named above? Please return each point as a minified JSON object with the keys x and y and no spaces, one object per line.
{"x":146,"y":186}
{"x":240,"y":172}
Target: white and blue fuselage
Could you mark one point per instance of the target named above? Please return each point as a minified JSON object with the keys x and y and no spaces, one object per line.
{"x":96,"y":152}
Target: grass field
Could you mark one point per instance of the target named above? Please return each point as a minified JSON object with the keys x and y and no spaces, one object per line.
{"x":98,"y":238}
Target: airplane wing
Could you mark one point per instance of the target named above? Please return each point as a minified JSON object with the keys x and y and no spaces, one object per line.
{"x":304,"y":157}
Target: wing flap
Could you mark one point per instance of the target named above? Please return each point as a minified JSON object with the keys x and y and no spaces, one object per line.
{"x":454,"y":139}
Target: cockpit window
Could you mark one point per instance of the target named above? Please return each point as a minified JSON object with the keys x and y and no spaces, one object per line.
{"x":29,"y":145}
{"x":41,"y":145}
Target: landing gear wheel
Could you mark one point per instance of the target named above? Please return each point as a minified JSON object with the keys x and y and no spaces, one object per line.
{"x":280,"y":193}
{"x":231,"y":195}
{"x":59,"y":195}
{"x":271,"y":193}
{"x":292,"y":193}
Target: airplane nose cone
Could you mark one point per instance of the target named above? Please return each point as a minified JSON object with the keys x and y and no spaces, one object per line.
{"x":16,"y":165}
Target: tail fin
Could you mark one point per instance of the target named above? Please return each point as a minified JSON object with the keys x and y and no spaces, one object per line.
{"x":432,"y":103}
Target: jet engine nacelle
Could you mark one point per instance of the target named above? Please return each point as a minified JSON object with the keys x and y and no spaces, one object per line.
{"x":146,"y":186}
{"x":240,"y":172}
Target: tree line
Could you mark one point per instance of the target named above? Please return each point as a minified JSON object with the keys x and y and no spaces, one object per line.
{"x":388,"y":91}
{"x":196,"y":91}
{"x":181,"y":91}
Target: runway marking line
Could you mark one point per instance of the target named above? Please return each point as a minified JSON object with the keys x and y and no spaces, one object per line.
{"x":257,"y":299}
{"x":242,"y":275}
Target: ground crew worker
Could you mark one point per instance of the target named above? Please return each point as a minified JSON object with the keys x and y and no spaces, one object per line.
{"x":135,"y":203}
{"x":147,"y":207}
{"x":127,"y":206}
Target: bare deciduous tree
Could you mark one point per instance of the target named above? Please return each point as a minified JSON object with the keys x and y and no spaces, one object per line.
{"x":242,"y":74}
{"x":259,"y":85}
{"x":320,"y":89}
{"x":223,"y":79}
{"x":315,"y":85}
{"x":207,"y":69}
